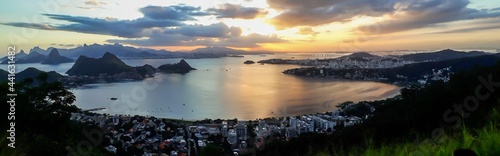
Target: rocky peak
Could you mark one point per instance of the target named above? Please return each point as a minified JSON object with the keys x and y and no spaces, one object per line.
{"x":54,"y":52}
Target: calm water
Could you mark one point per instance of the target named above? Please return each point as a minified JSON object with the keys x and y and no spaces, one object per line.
{"x":223,"y":88}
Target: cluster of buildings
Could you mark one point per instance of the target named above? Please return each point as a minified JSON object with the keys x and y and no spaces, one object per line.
{"x":289,"y":127}
{"x":443,"y":74}
{"x":346,"y":63}
{"x":84,"y":79}
{"x":138,"y":135}
{"x":378,"y":63}
{"x":151,"y":136}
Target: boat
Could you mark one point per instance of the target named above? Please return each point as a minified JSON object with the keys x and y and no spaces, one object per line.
{"x":113,"y":98}
{"x":249,"y":62}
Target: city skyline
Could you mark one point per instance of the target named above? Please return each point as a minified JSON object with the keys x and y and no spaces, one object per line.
{"x":278,"y":26}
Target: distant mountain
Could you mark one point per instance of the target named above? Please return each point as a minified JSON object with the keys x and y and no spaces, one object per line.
{"x":32,"y":57}
{"x":97,"y":50}
{"x":360,"y":56}
{"x":121,"y":51}
{"x":55,"y":58}
{"x":109,"y":64}
{"x":181,"y":67}
{"x":21,"y":54}
{"x":18,"y":56}
{"x":32,"y":54}
{"x":457,"y":65}
{"x":447,"y":54}
{"x":218,"y":50}
{"x":39,"y":50}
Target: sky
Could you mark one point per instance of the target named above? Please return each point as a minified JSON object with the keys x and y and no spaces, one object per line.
{"x":254,"y":25}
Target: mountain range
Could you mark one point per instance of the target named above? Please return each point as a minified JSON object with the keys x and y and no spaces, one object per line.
{"x":447,"y":54}
{"x":34,"y":57}
{"x":121,"y":51}
{"x":97,"y":50}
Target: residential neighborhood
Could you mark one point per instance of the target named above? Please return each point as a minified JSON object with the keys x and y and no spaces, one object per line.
{"x":146,"y":135}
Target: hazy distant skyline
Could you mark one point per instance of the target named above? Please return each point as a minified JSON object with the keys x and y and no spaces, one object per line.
{"x":273,"y":25}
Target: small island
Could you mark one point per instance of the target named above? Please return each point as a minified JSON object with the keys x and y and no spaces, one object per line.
{"x":180,"y":68}
{"x":109,"y":68}
{"x":249,"y":62}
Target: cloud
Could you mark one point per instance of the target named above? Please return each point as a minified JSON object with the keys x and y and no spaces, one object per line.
{"x":92,"y":4}
{"x":166,"y":39}
{"x":174,"y":12}
{"x":213,"y":30}
{"x":86,"y":8}
{"x":312,"y":13}
{"x":30,"y":25}
{"x":307,"y":31}
{"x":108,"y":26}
{"x":252,"y":40}
{"x":159,"y":39}
{"x":95,"y":3}
{"x":160,"y":26}
{"x":419,"y":14}
{"x":237,"y":11}
{"x":472,"y":29}
{"x":402,"y":14}
{"x":65,"y":45}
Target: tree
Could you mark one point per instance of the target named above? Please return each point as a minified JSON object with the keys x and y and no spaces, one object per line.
{"x":51,"y":97}
{"x":211,"y":149}
{"x":43,"y":125}
{"x":344,"y":104}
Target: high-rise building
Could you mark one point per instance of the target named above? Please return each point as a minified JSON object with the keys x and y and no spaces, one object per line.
{"x":293,"y":122}
{"x":224,"y":131}
{"x":241,"y":130}
{"x":232,"y":136}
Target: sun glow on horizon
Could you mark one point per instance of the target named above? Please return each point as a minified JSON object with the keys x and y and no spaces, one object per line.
{"x":257,"y":26}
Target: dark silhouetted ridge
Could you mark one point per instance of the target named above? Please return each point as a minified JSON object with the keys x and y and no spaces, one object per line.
{"x":109,"y":64}
{"x":446,"y":54}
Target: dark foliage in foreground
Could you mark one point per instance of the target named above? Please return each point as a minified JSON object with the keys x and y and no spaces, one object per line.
{"x":42,"y":119}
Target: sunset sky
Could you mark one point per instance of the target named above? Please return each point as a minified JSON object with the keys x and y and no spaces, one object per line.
{"x":272,"y":25}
